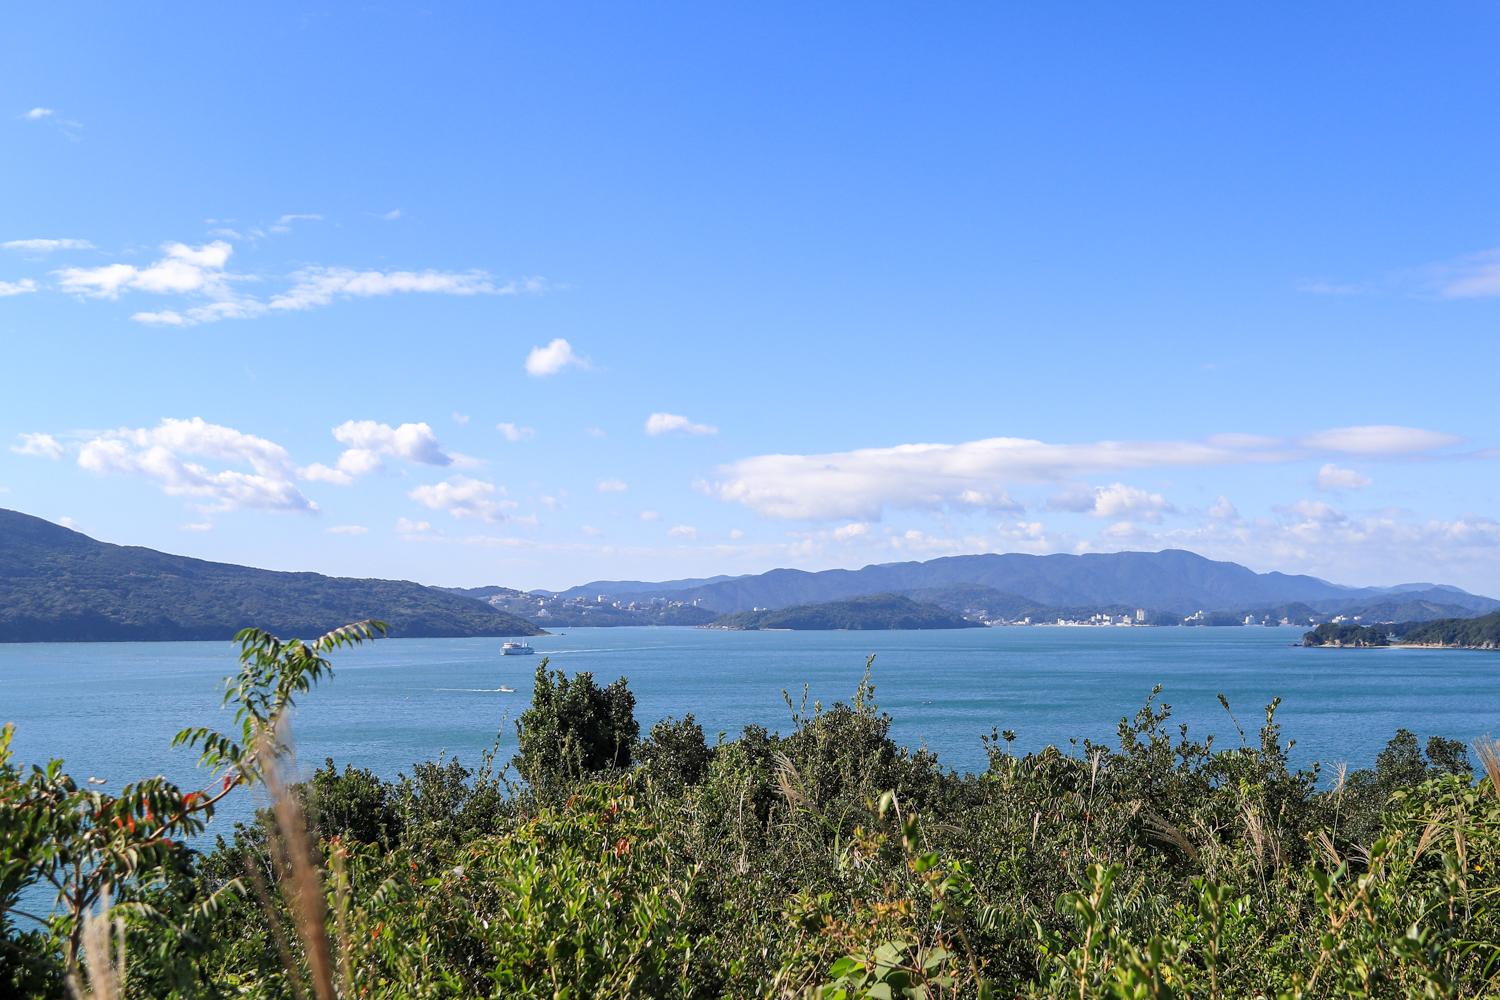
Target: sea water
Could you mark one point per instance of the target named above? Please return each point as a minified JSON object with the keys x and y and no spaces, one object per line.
{"x":110,"y":709}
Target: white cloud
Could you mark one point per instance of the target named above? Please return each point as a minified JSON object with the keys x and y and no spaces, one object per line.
{"x":589,"y":531}
{"x":464,"y":497}
{"x":1024,"y":536}
{"x":735,"y":534}
{"x":595,"y":432}
{"x":23,"y":287}
{"x":1385,"y":548}
{"x":667,"y":423}
{"x":392,"y":215}
{"x":989,"y":501}
{"x":197,"y":526}
{"x":46,"y":246}
{"x":1119,"y":500}
{"x":515,"y":432}
{"x":40,"y":445}
{"x":650,"y":515}
{"x":69,"y":523}
{"x":413,"y":442}
{"x":348,"y":529}
{"x":160,"y":453}
{"x":68,"y":128}
{"x":914,"y":542}
{"x":613,"y":486}
{"x":406,"y":526}
{"x":553,"y":358}
{"x":860,"y":485}
{"x":1331,"y":477}
{"x":368,"y":442}
{"x":462,"y":419}
{"x":1379,"y":439}
{"x":1316,"y":510}
{"x":685,"y":531}
{"x":182,"y":269}
{"x":1223,"y":510}
{"x":234,"y":307}
{"x":854,"y":529}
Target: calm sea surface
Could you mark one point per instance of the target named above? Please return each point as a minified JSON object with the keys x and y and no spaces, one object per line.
{"x":110,"y":709}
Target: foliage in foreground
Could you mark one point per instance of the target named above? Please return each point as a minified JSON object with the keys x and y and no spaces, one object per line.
{"x":827,"y":862}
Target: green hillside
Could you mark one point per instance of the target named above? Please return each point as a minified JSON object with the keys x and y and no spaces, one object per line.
{"x":1472,"y":633}
{"x":58,"y":585}
{"x":878,"y":611}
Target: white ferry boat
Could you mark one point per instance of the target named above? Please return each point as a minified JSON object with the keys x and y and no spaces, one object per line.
{"x":516,"y":649}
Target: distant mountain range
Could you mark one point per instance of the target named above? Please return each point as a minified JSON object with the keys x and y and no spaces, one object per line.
{"x":1171,"y":582}
{"x":60,"y":585}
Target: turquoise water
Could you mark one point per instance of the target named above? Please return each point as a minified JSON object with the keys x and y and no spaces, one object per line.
{"x":110,"y":709}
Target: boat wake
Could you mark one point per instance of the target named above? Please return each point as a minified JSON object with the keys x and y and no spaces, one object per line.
{"x":498,"y":690}
{"x":604,"y":649}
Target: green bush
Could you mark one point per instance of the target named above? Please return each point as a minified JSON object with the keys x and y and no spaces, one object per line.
{"x":826,"y":861}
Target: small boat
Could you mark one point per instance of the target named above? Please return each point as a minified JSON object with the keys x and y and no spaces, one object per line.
{"x":506,"y":690}
{"x":516,"y":649}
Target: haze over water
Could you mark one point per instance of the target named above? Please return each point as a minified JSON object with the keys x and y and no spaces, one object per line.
{"x":110,"y":709}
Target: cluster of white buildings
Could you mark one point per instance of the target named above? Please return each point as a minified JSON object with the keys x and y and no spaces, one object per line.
{"x":1098,"y":619}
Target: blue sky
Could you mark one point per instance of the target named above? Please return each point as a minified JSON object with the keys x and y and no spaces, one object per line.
{"x":396,"y":291}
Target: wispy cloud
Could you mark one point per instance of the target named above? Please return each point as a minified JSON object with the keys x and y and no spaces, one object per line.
{"x":320,"y":286}
{"x":49,"y":115}
{"x":860,"y":485}
{"x":613,"y":486}
{"x":199,"y":273}
{"x":284,"y":223}
{"x":514,"y":432}
{"x":23,"y":287}
{"x":669,"y":423}
{"x":553,"y":358}
{"x":348,"y":529}
{"x":1472,"y":277}
{"x":39,"y":445}
{"x":46,"y":245}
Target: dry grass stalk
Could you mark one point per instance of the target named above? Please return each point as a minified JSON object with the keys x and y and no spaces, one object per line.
{"x":1429,"y":834}
{"x":278,"y":931}
{"x":342,"y":896}
{"x":1489,"y":756}
{"x":104,"y":951}
{"x":1330,"y":852}
{"x":789,"y":780}
{"x":1167,"y":832}
{"x":299,"y":876}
